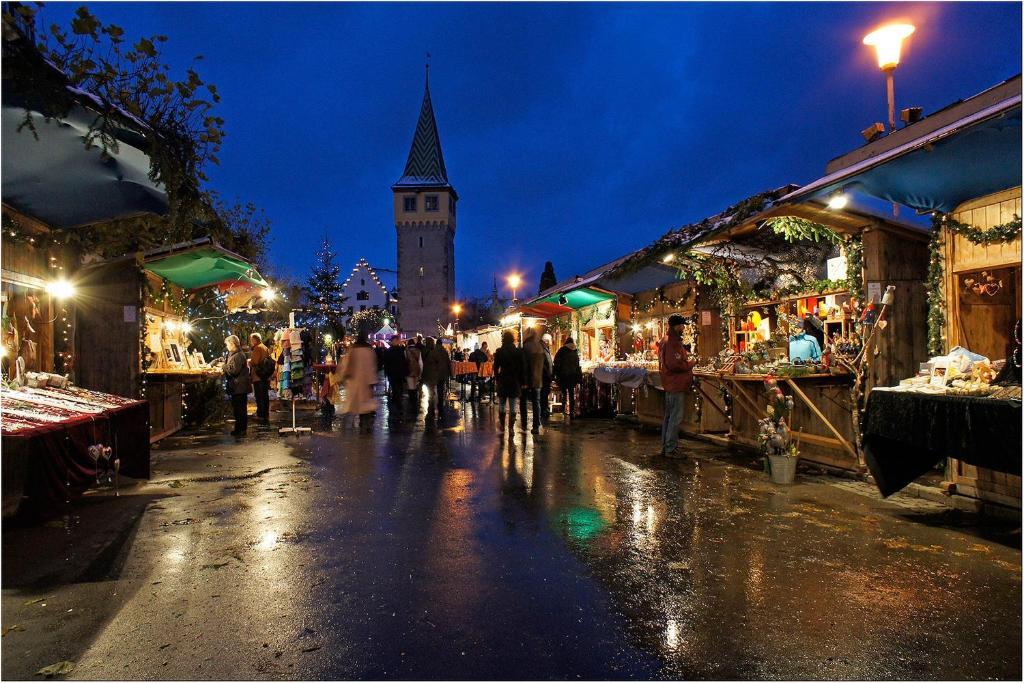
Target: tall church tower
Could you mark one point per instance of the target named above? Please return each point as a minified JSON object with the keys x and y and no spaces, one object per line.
{"x":425,"y":221}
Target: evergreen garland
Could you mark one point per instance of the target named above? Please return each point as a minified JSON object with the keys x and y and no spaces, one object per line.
{"x":942,"y":223}
{"x":795,"y":229}
{"x":934,"y":290}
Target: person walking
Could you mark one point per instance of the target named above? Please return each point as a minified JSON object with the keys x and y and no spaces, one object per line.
{"x":533,"y":360}
{"x":414,"y":359}
{"x":239,"y":382}
{"x":396,"y":368}
{"x":676,"y":368}
{"x":509,"y":374}
{"x":437,"y":368}
{"x":359,"y":372}
{"x":479,"y":356}
{"x":262,"y":368}
{"x":549,"y":372}
{"x":568,"y":374}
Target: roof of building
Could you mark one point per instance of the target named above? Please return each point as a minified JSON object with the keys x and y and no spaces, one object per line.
{"x":363,"y":263}
{"x":425,"y":165}
{"x":966,"y":150}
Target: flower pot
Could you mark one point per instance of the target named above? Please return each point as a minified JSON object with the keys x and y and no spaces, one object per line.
{"x":782,"y":469}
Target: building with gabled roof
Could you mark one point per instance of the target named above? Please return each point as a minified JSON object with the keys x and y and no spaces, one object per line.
{"x":363,"y":290}
{"x":424,"y":206}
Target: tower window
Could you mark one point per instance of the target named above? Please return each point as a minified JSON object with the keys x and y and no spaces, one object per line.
{"x":422,"y":271}
{"x":421,"y":242}
{"x":430,"y":202}
{"x":409,"y":203}
{"x":362,"y":307}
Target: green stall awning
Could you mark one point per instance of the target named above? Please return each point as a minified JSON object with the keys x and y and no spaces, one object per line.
{"x":204,"y":266}
{"x":578,"y":298}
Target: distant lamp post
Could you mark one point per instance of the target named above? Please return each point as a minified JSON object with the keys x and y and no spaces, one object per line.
{"x":887,"y":42}
{"x":456,"y":311}
{"x":513,"y":282}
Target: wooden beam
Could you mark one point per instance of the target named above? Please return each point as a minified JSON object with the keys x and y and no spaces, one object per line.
{"x":821,"y":416}
{"x":751,"y":404}
{"x":700,"y":388}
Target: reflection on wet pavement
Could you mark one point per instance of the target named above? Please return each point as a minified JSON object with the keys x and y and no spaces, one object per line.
{"x":426,"y":550}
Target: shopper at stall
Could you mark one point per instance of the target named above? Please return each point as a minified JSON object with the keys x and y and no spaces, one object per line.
{"x":239,"y":383}
{"x":437,"y":368}
{"x":568,"y":374}
{"x":533,"y":361}
{"x":549,"y":371}
{"x":676,"y":368}
{"x":359,"y":371}
{"x":479,"y":356}
{"x":804,"y":346}
{"x":261,"y":367}
{"x":509,"y":375}
{"x":414,"y":360}
{"x":396,"y":368}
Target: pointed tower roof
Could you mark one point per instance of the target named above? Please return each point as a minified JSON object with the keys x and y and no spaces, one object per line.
{"x":425,"y":165}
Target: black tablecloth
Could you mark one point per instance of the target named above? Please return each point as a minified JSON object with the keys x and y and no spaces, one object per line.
{"x":907,"y":433}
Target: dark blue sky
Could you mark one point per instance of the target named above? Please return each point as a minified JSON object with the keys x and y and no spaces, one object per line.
{"x":572,"y":132}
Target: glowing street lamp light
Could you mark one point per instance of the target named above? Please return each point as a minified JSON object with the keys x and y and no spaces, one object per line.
{"x":514,"y":281}
{"x":887,"y":42}
{"x":268,"y":294}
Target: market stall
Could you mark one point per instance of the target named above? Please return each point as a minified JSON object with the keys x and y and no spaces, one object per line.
{"x":59,"y":440}
{"x":138,"y":307}
{"x":961,"y":394}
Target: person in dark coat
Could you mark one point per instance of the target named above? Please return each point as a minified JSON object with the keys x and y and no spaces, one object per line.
{"x":479,"y":356}
{"x":396,"y":368}
{"x":236,"y":372}
{"x":568,"y":374}
{"x":437,"y":368}
{"x":549,"y":373}
{"x":509,"y":375}
{"x":533,"y":357}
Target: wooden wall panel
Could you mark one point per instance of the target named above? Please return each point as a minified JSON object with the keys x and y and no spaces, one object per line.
{"x":108,"y":345}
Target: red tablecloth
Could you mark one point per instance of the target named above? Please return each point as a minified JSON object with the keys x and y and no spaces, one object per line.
{"x":46,"y":467}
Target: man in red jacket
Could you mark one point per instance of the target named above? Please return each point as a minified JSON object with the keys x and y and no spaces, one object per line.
{"x":676,"y":369}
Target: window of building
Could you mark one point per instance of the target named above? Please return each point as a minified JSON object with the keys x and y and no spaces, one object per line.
{"x":421,"y":242}
{"x":362,"y":282}
{"x":350,"y":309}
{"x":430,"y":202}
{"x":421,"y":302}
{"x":409,"y":203}
{"x":362,"y":307}
{"x":363,"y":296}
{"x":422,"y":271}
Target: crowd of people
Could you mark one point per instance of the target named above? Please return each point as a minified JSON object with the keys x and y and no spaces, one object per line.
{"x":524,"y":377}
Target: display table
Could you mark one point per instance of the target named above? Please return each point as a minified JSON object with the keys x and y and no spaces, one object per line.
{"x":822,"y":419}
{"x":907,"y":433}
{"x":166,"y":392}
{"x":47,"y":464}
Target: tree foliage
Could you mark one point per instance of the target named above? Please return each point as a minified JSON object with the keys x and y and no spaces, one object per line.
{"x":367,"y":322}
{"x":323,"y":292}
{"x":130,"y":81}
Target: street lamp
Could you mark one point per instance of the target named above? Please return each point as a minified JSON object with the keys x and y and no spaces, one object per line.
{"x":456,"y":309}
{"x":513,"y":282}
{"x":887,"y":41}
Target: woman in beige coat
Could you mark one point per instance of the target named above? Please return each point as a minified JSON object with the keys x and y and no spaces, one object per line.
{"x":359,"y":371}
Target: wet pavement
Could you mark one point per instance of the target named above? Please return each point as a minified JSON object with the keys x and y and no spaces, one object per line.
{"x":424,"y":551}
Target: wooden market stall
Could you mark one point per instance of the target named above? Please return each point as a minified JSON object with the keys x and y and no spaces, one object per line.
{"x":962,"y":165}
{"x":138,"y":306}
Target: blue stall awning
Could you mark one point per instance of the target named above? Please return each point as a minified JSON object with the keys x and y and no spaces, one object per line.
{"x":971,"y":157}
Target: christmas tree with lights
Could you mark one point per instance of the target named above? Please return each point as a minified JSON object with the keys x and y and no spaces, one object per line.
{"x":323,"y":292}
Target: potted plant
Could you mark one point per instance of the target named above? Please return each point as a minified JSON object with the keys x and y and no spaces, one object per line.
{"x":775,"y":436}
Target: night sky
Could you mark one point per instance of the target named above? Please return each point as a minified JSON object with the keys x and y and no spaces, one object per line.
{"x":572,"y":133}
